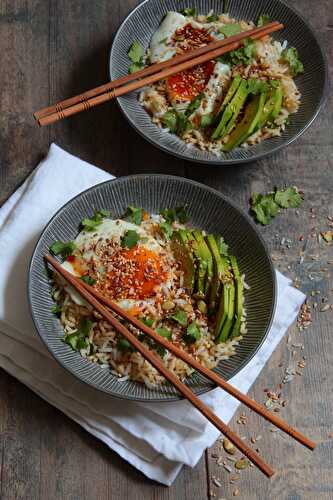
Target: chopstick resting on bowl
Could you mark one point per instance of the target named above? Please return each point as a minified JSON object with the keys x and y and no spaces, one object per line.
{"x":149,"y":75}
{"x":95,"y":299}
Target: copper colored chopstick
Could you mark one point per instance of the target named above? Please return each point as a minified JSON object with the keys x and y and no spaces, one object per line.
{"x":169,"y":70}
{"x":154,"y":68}
{"x":214,"y":377}
{"x":157,"y":363}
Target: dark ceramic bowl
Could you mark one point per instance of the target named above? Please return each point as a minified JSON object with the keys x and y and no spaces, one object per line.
{"x":208,"y":210}
{"x":143,"y":21}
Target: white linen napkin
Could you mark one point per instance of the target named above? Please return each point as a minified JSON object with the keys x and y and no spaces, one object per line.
{"x":155,"y":438}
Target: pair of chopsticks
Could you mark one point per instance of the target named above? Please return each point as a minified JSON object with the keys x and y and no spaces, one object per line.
{"x":96,"y":299}
{"x":149,"y":75}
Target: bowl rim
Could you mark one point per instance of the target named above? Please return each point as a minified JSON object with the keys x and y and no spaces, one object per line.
{"x":229,"y":162}
{"x":166,"y":177}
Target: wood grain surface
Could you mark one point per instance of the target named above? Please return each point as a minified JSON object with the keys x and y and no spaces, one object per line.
{"x":51,"y":50}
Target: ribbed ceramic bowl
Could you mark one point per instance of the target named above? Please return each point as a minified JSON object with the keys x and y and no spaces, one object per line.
{"x":145,"y":19}
{"x":208,"y":210}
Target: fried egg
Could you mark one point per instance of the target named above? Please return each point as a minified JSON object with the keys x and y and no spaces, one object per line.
{"x":129,"y":276}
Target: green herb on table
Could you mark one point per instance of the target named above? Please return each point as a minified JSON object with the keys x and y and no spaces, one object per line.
{"x":134,"y":215}
{"x":262,"y":20}
{"x":64,"y":249}
{"x":266,"y":207}
{"x":180,"y":317}
{"x":88,"y":280}
{"x":230,"y":29}
{"x":130,"y":239}
{"x":136,"y":54}
{"x":189,"y":11}
{"x":79,"y":340}
{"x":290,"y":56}
{"x":243,"y":55}
{"x":192,"y":333}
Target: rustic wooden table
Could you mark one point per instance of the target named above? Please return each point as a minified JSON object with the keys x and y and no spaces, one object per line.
{"x":54,"y":49}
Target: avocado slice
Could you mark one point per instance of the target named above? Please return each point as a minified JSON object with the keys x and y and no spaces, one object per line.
{"x":272,"y":106}
{"x":231,"y":111}
{"x":222,"y":312}
{"x":230,"y":94}
{"x":228,"y":323}
{"x":201,"y":264}
{"x":207,"y":256}
{"x":239,"y":297}
{"x":248,"y":124}
{"x":184,"y":256}
{"x":217,"y":274}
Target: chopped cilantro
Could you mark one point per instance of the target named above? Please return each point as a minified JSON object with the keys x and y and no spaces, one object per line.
{"x":212,"y":18}
{"x":134,"y":67}
{"x":288,"y":198}
{"x":192,"y":333}
{"x":230,"y":29}
{"x":206,"y":120}
{"x":136,"y":52}
{"x":290,"y":56}
{"x":193,"y":105}
{"x":170,"y":120}
{"x":164,"y":332}
{"x":56,"y":309}
{"x":256,"y":86}
{"x":265,"y":207}
{"x":95,"y":220}
{"x":189,"y":11}
{"x":124,"y":346}
{"x":166,"y":229}
{"x":180,"y":317}
{"x":63,"y":249}
{"x":173,"y":214}
{"x":130,"y":239}
{"x":243,"y":55}
{"x":88,"y":279}
{"x":262,"y":20}
{"x":182,"y":215}
{"x":161,"y":351}
{"x":79,"y":340}
{"x":183,"y":123}
{"x":134,"y":215}
{"x":147,"y":321}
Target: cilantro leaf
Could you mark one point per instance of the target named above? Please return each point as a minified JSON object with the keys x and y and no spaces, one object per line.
{"x":124,"y":346}
{"x":172,"y":214}
{"x":192,"y":333}
{"x":182,"y":215}
{"x":166,"y":229}
{"x":136,"y":52}
{"x":79,"y":340}
{"x":230,"y":29}
{"x":212,"y":18}
{"x":170,"y":120}
{"x":206,"y":120}
{"x":164,"y":332}
{"x":262,"y":20}
{"x":189,"y":11}
{"x":256,"y":86}
{"x":134,"y":215}
{"x":88,"y":279}
{"x":290,"y":56}
{"x":147,"y":321}
{"x":63,"y":249}
{"x":96,"y":220}
{"x":56,"y":309}
{"x":243,"y":55}
{"x":180,"y":317}
{"x":130,"y":239}
{"x":134,"y":67}
{"x":183,"y":123}
{"x":288,"y":198}
{"x":194,"y":105}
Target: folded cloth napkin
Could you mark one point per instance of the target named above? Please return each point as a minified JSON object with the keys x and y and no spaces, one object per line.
{"x":155,"y":438}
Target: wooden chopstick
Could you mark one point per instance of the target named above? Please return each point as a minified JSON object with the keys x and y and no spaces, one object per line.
{"x":157,"y":363}
{"x":60,"y":113}
{"x":154,"y":68}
